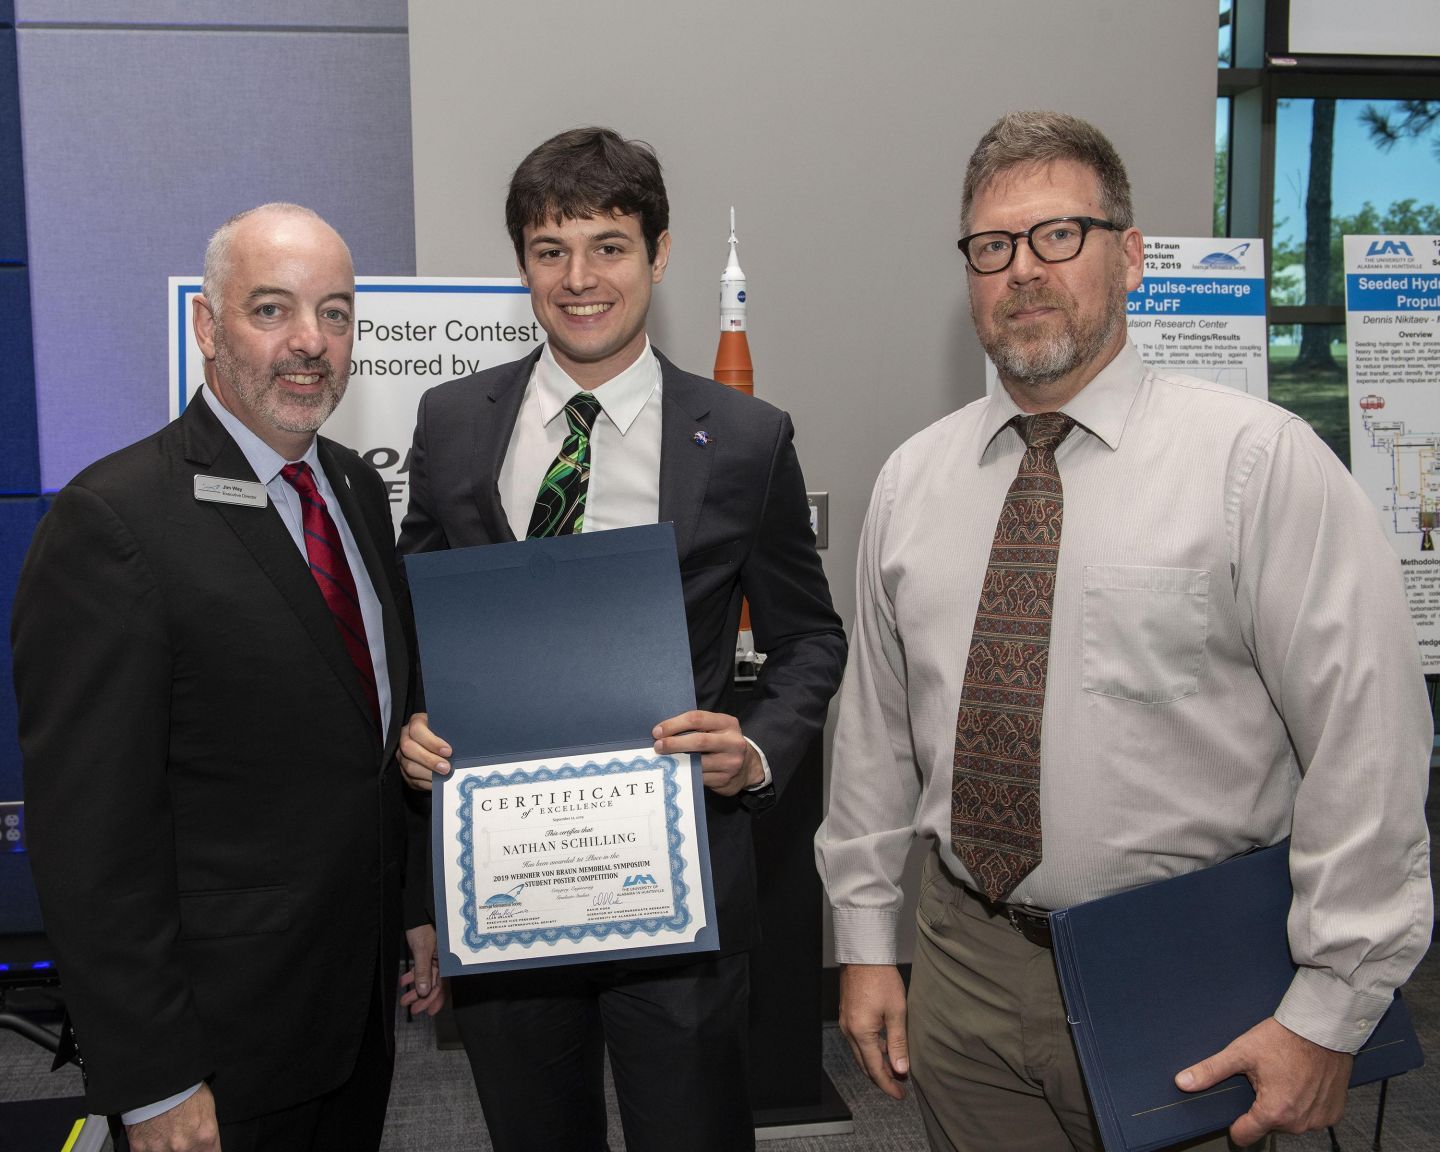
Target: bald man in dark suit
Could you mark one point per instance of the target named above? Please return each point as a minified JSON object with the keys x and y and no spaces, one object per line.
{"x":212,"y":659}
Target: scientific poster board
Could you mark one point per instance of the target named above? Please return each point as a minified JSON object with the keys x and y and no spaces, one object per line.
{"x":1200,"y":310}
{"x":1392,"y":316}
{"x":411,"y":333}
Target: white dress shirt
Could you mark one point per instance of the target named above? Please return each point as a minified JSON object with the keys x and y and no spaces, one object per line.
{"x":1231,"y":661}
{"x":624,"y":487}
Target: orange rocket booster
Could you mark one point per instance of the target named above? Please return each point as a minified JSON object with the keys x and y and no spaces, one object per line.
{"x":732,"y":358}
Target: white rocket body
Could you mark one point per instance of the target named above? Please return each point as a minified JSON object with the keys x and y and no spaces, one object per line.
{"x":732,"y":289}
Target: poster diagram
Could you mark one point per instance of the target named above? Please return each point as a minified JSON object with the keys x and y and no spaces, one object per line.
{"x":1412,"y":503}
{"x":1392,"y":317}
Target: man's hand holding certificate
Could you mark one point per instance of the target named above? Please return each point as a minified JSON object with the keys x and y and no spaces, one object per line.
{"x":728,"y":761}
{"x":568,"y":825}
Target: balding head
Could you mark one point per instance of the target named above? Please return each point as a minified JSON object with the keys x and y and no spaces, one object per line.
{"x":218,"y":250}
{"x":275,"y":322}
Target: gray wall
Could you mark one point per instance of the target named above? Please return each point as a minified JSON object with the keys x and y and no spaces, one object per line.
{"x":145,"y":124}
{"x":839,"y":131}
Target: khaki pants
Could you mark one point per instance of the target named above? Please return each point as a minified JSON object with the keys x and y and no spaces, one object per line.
{"x":991,"y":1056}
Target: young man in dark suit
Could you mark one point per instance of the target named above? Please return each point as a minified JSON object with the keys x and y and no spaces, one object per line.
{"x":588,"y":215}
{"x":211,"y":647}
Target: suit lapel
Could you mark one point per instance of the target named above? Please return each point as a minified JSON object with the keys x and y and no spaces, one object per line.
{"x":368,"y":536}
{"x":499,"y":408}
{"x":265,"y":537}
{"x":684,"y":466}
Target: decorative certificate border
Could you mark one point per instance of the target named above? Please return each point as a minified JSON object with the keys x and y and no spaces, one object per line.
{"x":601,"y":930}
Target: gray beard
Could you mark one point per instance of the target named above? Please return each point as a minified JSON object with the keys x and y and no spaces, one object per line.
{"x":1052,"y":358}
{"x":1047,"y":359}
{"x":260,"y":394}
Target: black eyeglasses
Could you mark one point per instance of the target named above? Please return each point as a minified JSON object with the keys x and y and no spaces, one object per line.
{"x":1053,"y":241}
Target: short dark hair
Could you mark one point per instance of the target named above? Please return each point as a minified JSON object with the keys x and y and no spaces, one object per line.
{"x":585,"y":172}
{"x":1022,"y":139}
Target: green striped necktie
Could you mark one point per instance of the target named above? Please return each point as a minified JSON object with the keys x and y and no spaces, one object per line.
{"x":560,"y":503}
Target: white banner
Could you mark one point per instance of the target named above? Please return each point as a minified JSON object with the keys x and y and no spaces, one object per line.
{"x":410,"y":333}
{"x":1392,"y":316}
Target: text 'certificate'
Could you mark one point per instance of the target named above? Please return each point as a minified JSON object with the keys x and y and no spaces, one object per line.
{"x":572,"y":858}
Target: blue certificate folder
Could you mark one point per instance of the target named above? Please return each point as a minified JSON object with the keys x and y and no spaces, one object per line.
{"x":1163,"y":976}
{"x":569,"y":647}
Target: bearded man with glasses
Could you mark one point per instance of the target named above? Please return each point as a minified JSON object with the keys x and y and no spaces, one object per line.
{"x":1112,"y":625}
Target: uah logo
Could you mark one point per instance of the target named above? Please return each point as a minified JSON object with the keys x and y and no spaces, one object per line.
{"x":1229,"y":259}
{"x":639,"y":878}
{"x":1388,"y":248}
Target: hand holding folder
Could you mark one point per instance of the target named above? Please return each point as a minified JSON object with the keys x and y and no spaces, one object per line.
{"x":1299,"y":1086}
{"x":728,"y":761}
{"x":564,"y":831}
{"x":1170,"y":974}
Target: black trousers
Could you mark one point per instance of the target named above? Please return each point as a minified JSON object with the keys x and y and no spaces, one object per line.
{"x":678,"y":1038}
{"x":350,"y":1118}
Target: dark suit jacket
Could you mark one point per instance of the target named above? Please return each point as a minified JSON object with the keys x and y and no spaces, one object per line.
{"x":742,"y":528}
{"x":216,"y":832}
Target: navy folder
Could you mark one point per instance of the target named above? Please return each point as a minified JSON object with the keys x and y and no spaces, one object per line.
{"x":571,"y":645}
{"x":1160,"y":977}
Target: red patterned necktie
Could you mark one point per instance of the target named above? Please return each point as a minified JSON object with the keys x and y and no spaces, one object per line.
{"x":332,"y":573}
{"x":995,"y":797}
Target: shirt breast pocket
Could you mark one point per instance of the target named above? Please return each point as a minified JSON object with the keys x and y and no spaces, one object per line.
{"x":1144,"y":631}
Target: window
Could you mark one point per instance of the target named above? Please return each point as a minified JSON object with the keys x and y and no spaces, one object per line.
{"x":1308,"y":150}
{"x":1345,"y":167}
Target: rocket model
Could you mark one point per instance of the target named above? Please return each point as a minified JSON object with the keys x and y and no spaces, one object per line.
{"x":732,"y":367}
{"x":732,"y":358}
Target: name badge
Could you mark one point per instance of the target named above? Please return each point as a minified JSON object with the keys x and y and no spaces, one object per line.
{"x":218,"y":490}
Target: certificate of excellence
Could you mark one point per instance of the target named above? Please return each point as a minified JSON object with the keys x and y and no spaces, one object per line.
{"x":572,"y":857}
{"x":559,"y":836}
